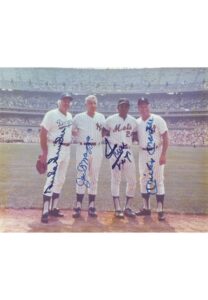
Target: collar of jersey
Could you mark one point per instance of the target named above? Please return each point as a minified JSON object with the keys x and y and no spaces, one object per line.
{"x":62,"y":113}
{"x":122,"y":118}
{"x":90,"y":116}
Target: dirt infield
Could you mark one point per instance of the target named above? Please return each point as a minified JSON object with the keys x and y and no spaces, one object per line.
{"x":28,"y":220}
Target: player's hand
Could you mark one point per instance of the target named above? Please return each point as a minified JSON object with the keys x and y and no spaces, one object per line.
{"x":43,"y":157}
{"x":162,"y":159}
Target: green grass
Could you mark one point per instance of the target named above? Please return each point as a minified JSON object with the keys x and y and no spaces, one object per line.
{"x":186,"y":180}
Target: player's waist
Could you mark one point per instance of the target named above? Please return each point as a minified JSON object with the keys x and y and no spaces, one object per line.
{"x":150,"y":148}
{"x":123,"y":146}
{"x":90,"y":143}
{"x":59,"y":144}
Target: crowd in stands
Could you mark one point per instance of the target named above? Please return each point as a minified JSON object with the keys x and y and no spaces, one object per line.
{"x":104,"y":80}
{"x":41,"y":102}
{"x":182,"y":132}
{"x":192,"y":137}
{"x":18,"y":134}
{"x":22,"y":111}
{"x":27,"y":101}
{"x":20,"y":121}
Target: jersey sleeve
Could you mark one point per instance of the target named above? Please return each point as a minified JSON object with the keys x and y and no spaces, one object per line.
{"x":162,"y":126}
{"x":47,"y":121}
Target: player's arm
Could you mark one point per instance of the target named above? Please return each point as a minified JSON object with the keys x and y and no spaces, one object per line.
{"x":106,"y":128}
{"x":105,"y":132}
{"x":165,"y":143}
{"x":43,"y":144}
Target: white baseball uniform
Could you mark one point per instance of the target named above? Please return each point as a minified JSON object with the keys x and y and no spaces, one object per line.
{"x":121,"y":131}
{"x":59,"y":127}
{"x":89,"y":152}
{"x":150,"y":148}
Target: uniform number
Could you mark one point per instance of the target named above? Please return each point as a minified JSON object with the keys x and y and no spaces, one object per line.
{"x":128,"y":133}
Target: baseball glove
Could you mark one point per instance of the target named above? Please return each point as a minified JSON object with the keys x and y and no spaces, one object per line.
{"x":40,"y":166}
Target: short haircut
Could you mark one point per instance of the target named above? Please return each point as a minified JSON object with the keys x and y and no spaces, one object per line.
{"x":91,"y":97}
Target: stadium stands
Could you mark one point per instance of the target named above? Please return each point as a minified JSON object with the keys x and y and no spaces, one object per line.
{"x":40,"y":101}
{"x":104,"y":80}
{"x":183,"y":131}
{"x":179,"y":95}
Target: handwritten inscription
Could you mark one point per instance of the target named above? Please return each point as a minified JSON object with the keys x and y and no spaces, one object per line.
{"x":83,"y":165}
{"x":150,"y":139}
{"x":117,"y":152}
{"x":151,"y":185}
{"x":54,"y":160}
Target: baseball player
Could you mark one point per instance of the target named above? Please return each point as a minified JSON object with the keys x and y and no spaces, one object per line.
{"x":153,"y":145}
{"x":119,"y":129}
{"x":55,"y":139}
{"x":87,"y":127}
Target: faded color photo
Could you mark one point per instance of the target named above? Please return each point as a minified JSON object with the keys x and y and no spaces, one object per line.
{"x":103,"y":150}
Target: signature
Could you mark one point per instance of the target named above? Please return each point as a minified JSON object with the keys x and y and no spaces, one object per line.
{"x":83,"y":165}
{"x":59,"y":140}
{"x":151,"y":186}
{"x":117,"y":151}
{"x":150,"y":143}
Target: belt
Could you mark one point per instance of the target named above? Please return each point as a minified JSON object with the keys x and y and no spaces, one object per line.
{"x":123,"y":146}
{"x":63,"y":144}
{"x":149,"y":149}
{"x":90,"y":144}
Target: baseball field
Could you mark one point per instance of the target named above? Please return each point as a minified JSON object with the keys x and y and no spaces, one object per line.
{"x":186,"y":181}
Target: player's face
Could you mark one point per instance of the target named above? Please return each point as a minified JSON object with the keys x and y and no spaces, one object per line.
{"x":65,"y":105}
{"x":123,"y":109}
{"x":91,"y":106}
{"x":144,"y":110}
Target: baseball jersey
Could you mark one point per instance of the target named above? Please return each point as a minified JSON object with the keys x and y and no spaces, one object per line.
{"x":152,"y":128}
{"x":121,"y":129}
{"x":89,"y":126}
{"x":54,"y":122}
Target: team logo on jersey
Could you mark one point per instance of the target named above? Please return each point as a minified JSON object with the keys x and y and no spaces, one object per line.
{"x":63,"y":124}
{"x":99,"y":126}
{"x":119,"y":128}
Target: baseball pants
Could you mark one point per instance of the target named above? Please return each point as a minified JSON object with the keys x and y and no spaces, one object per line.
{"x":129,"y":171}
{"x":88,"y":168}
{"x":58,"y":161}
{"x":151,"y":172}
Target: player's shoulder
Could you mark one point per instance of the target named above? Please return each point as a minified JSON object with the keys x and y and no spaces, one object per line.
{"x":80,"y":115}
{"x":69,"y":115}
{"x":100,"y":115}
{"x":157,"y":117}
{"x":138,"y":120}
{"x":112,"y":117}
{"x":51,"y":112}
{"x":130,"y":117}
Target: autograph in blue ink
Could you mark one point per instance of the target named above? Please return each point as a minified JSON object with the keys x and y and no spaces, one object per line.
{"x":151,"y":185}
{"x":58,"y":141}
{"x":117,"y":151}
{"x":150,"y":143}
{"x":83,"y":165}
